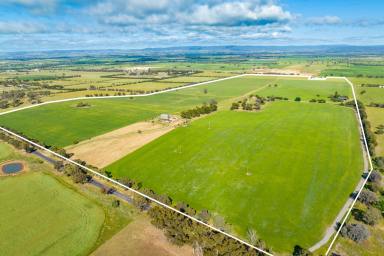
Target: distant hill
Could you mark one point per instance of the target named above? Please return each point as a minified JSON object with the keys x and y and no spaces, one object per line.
{"x":203,"y":50}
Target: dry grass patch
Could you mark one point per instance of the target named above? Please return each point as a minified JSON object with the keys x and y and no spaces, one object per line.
{"x":141,"y":238}
{"x":105,"y":149}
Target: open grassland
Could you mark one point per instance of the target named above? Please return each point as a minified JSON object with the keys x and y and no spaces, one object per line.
{"x":63,"y":124}
{"x":148,"y":86}
{"x":370,"y":94}
{"x":376,"y":118}
{"x":306,"y":90}
{"x":284,"y":172}
{"x":41,"y":216}
{"x":354,"y":70}
{"x":38,"y":195}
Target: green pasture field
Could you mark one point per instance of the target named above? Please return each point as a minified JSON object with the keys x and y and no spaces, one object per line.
{"x":370,"y":94}
{"x":292,"y":88}
{"x":41,"y":216}
{"x":149,"y":86}
{"x":376,"y":118}
{"x":189,"y":79}
{"x":285,"y":171}
{"x":62,"y":124}
{"x":354,"y":70}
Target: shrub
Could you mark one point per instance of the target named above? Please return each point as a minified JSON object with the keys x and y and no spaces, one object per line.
{"x":115,"y":203}
{"x":375,"y":177}
{"x":355,"y":232}
{"x":372,"y":216}
{"x":367,"y":197}
{"x":297,"y":99}
{"x":299,"y":251}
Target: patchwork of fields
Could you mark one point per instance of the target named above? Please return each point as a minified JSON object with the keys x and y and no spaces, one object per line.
{"x":284,"y":171}
{"x":63,"y":124}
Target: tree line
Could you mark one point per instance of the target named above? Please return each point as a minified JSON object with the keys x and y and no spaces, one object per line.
{"x":200,"y":110}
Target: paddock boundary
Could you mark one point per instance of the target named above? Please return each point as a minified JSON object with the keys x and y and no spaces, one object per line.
{"x":189,"y":86}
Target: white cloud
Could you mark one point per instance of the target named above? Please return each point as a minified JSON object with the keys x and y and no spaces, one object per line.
{"x":21,"y":27}
{"x":325,"y":20}
{"x":35,"y":6}
{"x":237,"y":13}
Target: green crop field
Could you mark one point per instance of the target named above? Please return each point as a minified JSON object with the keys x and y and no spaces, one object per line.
{"x":307,"y":90}
{"x":62,"y":124}
{"x":41,"y":216}
{"x":285,"y":171}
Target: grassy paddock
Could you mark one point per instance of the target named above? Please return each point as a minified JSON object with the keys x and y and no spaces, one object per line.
{"x":285,"y":171}
{"x":63,"y":124}
{"x":43,"y":215}
{"x":376,"y":118}
{"x":50,"y":215}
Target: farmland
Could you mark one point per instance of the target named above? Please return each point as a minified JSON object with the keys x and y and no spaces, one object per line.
{"x":249,"y":179}
{"x":44,"y":215}
{"x":254,"y":151}
{"x":63,"y":124}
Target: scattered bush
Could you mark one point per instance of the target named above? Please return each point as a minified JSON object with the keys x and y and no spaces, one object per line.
{"x":355,"y":232}
{"x":375,"y":177}
{"x":299,"y":251}
{"x":372,"y":216}
{"x":115,"y":203}
{"x":367,"y":197}
{"x":82,"y":104}
{"x":298,"y":99}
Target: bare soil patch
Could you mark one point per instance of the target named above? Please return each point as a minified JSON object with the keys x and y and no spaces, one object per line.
{"x":141,"y":238}
{"x":105,"y":149}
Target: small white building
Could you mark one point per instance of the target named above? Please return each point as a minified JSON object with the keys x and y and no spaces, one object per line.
{"x":165,"y":118}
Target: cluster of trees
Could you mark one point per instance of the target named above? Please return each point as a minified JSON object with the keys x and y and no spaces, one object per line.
{"x":336,"y":97}
{"x":370,"y":214}
{"x":317,"y":100}
{"x":379,"y":163}
{"x":77,"y":174}
{"x":202,"y":110}
{"x":11,"y":98}
{"x":369,"y":135}
{"x":16,"y":142}
{"x":82,"y":104}
{"x":254,"y":102}
{"x":376,"y":105}
{"x":356,"y":232}
{"x":181,"y":230}
{"x":372,"y":85}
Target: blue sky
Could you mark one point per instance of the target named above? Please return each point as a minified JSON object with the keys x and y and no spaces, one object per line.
{"x":129,"y":24}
